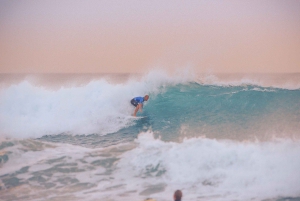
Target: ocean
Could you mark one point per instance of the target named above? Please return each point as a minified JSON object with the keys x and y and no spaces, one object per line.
{"x":214,"y":137}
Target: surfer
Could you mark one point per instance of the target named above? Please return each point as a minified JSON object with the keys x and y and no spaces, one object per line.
{"x":137,"y":102}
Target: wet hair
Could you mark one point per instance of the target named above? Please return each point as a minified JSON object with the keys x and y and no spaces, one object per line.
{"x":178,"y":195}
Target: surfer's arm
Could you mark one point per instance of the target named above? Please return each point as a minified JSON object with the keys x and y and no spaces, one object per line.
{"x":141,"y":107}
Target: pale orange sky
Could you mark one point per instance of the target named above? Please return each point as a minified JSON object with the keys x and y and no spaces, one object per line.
{"x":94,"y":36}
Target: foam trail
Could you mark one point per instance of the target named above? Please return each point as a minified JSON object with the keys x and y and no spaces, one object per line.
{"x":203,"y":167}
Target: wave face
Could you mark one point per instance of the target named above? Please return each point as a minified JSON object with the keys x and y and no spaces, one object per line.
{"x":214,"y":140}
{"x":239,"y":112}
{"x":178,"y":107}
{"x":99,"y":107}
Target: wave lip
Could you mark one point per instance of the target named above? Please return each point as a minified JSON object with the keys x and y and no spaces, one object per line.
{"x":281,"y":81}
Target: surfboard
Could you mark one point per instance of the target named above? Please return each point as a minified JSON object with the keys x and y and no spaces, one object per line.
{"x":138,"y":117}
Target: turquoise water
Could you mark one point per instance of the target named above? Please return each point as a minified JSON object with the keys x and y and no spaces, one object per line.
{"x":193,"y":110}
{"x":223,"y":112}
{"x":212,"y":141}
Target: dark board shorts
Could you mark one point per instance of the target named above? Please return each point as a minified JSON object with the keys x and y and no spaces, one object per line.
{"x":134,"y":103}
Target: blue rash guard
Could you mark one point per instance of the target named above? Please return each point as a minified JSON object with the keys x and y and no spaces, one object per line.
{"x":137,"y":100}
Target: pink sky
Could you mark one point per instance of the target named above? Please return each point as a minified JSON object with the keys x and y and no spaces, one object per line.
{"x":55,"y":36}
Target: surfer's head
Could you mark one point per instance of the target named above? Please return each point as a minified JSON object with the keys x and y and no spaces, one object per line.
{"x":146,"y":97}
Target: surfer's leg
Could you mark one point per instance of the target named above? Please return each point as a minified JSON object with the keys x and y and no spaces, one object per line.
{"x":136,"y":110}
{"x":138,"y":107}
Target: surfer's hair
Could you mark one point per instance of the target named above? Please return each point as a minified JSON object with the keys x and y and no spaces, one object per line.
{"x":178,"y":195}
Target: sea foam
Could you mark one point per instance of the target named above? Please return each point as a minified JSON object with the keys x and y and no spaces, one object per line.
{"x":205,"y":167}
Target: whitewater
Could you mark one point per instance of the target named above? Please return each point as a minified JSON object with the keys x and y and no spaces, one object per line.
{"x":215,"y":137}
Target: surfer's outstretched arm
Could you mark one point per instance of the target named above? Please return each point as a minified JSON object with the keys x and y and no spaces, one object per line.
{"x":141,"y":107}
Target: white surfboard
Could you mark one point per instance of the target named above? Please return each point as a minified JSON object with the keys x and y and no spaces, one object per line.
{"x":138,"y":117}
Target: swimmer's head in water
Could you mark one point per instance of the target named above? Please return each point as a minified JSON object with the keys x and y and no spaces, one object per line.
{"x":178,"y":195}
